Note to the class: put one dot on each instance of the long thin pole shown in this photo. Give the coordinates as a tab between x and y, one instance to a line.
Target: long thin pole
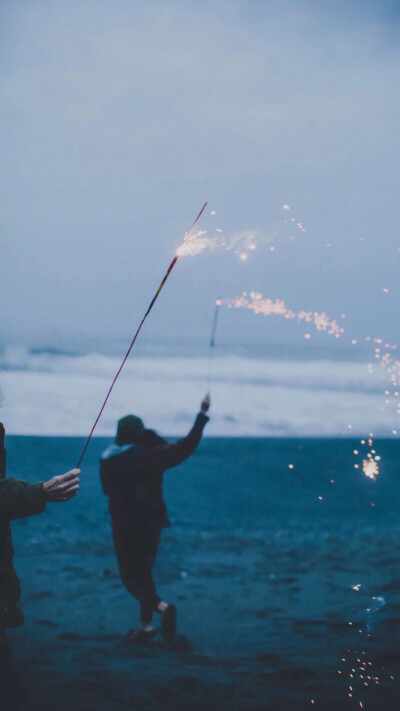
154	299
212	343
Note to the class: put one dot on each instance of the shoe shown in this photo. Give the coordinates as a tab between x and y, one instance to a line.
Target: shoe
141	636
168	623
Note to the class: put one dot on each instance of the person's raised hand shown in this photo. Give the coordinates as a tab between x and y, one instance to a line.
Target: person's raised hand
62	487
205	405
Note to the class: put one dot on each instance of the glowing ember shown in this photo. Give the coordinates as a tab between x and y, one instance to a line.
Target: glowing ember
370	468
267	307
203	241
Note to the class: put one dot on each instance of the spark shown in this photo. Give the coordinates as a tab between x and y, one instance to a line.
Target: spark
370	468
203	241
267	307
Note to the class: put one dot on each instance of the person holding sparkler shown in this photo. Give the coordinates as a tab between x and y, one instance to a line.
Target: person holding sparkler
131	473
19	499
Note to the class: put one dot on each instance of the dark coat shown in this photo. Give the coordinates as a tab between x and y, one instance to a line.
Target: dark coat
17	500
131	476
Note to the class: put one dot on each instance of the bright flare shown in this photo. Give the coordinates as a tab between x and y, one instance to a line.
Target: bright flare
370	468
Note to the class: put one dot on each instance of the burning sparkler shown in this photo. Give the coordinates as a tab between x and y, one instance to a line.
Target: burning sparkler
212	342
154	299
241	243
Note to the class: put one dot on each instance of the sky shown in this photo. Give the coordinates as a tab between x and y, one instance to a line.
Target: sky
119	119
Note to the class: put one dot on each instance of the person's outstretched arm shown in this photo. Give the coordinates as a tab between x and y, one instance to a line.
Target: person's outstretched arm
19	498
169	455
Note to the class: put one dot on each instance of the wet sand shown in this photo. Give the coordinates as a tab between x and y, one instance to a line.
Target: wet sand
261	570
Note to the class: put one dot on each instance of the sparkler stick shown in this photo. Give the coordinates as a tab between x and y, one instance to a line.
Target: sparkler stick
154	299
212	342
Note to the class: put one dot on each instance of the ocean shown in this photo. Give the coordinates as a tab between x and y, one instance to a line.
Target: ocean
275	391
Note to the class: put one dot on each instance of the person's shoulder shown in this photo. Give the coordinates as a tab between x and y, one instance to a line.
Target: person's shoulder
114	450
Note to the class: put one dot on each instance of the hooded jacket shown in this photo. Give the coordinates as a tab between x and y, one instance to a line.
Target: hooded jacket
131	476
18	499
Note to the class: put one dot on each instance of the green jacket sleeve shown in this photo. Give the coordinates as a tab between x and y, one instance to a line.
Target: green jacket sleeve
19	499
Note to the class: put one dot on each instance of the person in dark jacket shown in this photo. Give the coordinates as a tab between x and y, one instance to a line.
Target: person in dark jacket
131	475
19	499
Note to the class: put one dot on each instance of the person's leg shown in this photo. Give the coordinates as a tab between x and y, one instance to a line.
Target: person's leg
150	598
136	551
167	611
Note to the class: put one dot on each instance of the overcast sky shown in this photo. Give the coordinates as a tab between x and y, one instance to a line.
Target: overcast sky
119	119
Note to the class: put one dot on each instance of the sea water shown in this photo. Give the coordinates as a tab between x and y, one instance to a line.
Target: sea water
255	392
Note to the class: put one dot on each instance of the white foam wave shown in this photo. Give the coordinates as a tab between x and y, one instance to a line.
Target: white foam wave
58	394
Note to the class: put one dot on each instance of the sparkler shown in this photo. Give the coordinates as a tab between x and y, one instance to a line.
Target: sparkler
153	301
212	342
242	243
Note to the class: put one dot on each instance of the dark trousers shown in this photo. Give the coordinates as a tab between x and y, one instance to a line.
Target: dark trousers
136	550
11	693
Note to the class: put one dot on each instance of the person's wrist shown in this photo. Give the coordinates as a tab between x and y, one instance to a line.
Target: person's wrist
45	491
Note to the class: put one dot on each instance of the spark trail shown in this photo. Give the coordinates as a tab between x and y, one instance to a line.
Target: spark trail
268	307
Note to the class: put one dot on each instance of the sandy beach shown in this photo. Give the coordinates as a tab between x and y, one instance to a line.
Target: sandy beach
272	569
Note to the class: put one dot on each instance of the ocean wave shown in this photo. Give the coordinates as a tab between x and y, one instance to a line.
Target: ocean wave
47	392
